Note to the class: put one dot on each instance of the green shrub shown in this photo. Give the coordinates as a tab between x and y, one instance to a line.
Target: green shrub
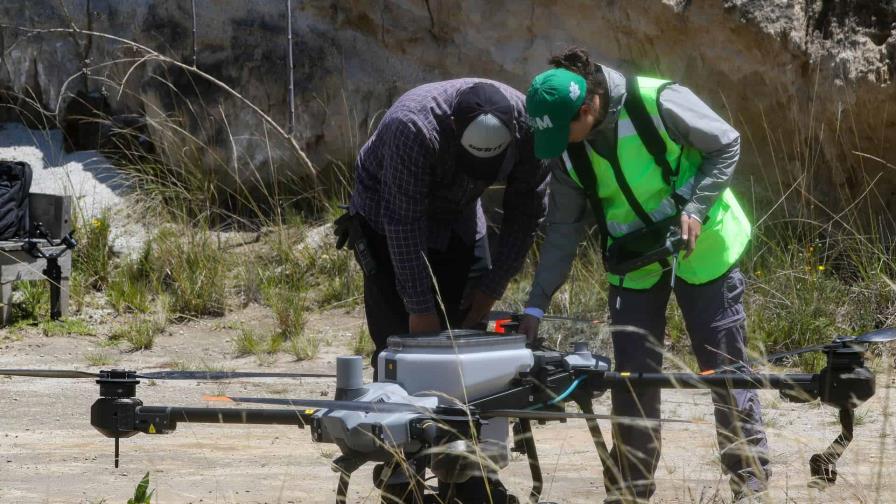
132	285
192	270
91	258
139	333
290	309
363	343
66	327
34	303
248	342
336	276
304	346
98	359
142	493
284	286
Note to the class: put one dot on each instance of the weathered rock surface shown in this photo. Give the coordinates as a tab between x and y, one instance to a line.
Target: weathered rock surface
809	83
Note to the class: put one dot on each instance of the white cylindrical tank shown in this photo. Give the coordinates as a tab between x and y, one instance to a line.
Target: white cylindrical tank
451	362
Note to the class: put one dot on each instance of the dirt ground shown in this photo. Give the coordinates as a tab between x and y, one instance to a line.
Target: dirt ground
49	453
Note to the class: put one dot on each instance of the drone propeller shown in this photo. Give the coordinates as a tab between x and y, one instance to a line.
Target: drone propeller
48	373
775	357
879	336
383	407
160	375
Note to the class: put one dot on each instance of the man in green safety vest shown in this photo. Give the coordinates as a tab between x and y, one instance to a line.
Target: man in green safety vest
640	151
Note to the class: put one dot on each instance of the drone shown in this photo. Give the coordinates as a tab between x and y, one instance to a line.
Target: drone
446	401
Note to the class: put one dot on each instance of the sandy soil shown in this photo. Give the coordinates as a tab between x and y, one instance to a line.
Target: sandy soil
50	453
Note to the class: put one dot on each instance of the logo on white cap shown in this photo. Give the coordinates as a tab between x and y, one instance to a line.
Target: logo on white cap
486	136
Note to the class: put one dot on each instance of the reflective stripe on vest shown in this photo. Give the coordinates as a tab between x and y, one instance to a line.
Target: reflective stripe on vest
726	231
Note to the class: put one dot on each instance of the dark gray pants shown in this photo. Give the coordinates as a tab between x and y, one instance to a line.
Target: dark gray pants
715	320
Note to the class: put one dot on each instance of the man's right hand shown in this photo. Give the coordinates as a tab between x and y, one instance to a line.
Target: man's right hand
529	326
424	323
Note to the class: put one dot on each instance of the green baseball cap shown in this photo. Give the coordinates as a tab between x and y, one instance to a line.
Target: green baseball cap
553	100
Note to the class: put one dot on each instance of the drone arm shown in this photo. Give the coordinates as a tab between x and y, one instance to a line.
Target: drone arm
795	387
694	381
160	419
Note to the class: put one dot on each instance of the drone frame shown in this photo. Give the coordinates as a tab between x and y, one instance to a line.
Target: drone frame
843	383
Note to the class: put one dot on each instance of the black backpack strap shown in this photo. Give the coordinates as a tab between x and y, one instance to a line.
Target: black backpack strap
581	165
646	129
626	188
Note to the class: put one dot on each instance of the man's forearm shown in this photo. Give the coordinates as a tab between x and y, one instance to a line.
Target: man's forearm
407	249
555	261
713	178
565	228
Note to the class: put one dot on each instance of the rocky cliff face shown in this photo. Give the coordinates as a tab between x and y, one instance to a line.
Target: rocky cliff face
809	83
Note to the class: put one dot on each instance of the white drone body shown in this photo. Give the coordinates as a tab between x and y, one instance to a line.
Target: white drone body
452	368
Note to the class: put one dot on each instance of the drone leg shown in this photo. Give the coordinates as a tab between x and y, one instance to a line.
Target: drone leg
532	456
342	487
116	452
823	466
345	466
596	435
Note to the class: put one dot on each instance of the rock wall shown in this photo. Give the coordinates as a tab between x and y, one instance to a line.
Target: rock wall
808	83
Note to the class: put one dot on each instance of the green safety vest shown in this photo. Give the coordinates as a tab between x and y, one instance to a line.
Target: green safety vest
726	229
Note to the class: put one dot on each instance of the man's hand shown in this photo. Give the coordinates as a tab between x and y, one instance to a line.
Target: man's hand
424	323
690	231
479	307
529	326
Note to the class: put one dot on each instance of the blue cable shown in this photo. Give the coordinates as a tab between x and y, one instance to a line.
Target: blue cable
562	396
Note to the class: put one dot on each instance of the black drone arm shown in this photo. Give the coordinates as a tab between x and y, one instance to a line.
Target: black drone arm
125	417
163	419
804	384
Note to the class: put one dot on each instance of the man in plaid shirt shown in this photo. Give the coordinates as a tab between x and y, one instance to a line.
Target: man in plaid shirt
418	181
417	188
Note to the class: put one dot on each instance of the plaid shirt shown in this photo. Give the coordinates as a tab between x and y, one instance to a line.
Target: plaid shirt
407	187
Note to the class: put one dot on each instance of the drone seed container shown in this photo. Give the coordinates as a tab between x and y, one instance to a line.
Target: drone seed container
452	362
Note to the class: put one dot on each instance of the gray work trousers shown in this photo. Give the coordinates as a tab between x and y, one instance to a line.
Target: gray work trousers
715	321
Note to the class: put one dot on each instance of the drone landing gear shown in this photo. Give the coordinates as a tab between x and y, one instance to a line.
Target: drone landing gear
823	466
411	492
525	444
597	436
345	466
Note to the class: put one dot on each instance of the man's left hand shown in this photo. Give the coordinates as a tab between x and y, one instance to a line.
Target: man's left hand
690	231
480	305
